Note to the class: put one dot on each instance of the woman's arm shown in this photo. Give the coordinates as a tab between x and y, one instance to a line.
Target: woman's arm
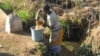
46	25
37	14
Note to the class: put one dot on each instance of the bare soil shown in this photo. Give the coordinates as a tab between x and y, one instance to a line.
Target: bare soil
20	45
16	44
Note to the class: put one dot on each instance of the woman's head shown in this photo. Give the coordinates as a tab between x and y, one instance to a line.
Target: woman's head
46	9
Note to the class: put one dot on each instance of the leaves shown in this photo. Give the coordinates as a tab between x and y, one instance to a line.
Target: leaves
6	6
42	49
85	50
25	15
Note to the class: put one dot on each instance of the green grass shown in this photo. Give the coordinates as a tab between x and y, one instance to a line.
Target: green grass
25	15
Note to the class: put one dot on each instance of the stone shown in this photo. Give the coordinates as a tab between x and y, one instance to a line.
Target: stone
13	23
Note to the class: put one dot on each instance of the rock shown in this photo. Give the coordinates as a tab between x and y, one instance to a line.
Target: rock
13	23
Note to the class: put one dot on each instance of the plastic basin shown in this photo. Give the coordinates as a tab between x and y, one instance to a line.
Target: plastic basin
37	35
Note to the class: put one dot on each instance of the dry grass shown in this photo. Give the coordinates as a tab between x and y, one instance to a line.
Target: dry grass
95	33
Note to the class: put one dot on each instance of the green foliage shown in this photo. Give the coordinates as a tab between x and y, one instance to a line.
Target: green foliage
71	27
42	49
25	15
67	26
6	6
85	50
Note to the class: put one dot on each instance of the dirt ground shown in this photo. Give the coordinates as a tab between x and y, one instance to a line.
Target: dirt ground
20	45
16	44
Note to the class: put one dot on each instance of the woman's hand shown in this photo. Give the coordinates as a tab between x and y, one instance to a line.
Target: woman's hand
46	25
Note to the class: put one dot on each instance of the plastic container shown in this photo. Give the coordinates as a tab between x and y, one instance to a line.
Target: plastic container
37	35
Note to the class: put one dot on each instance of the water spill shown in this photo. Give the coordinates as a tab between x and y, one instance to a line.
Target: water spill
39	24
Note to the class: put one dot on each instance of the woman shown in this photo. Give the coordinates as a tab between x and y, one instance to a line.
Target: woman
57	30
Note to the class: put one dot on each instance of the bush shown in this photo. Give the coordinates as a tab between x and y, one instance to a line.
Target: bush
42	49
73	28
67	26
85	50
6	6
25	15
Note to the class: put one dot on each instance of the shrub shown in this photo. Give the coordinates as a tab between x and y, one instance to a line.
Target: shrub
85	50
42	49
6	6
73	28
25	15
67	26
